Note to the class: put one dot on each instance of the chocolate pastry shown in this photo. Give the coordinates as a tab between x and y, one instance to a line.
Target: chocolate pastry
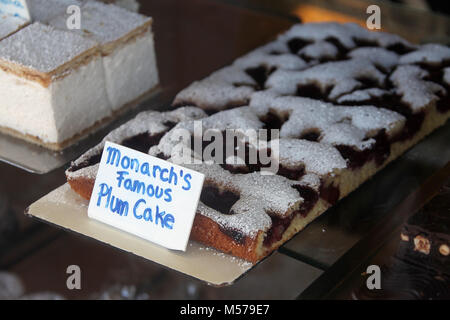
401	280
426	235
419	269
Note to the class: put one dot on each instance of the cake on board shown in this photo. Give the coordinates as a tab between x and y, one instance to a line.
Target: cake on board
345	101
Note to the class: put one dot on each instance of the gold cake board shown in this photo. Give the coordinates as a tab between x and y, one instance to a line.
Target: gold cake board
66	209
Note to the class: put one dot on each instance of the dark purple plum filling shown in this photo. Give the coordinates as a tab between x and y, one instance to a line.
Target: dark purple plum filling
279	225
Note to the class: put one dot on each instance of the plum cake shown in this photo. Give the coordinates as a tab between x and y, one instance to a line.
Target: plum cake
343	102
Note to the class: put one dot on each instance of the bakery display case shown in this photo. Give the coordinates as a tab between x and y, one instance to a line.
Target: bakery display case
362	137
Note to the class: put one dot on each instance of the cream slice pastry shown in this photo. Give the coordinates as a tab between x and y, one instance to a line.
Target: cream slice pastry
67	83
52	85
127	47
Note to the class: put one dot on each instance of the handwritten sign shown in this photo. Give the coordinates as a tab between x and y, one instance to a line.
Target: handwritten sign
17	8
146	196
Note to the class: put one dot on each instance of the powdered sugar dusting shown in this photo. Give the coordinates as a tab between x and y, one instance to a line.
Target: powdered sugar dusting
377	56
311	180
341	76
238	119
385	39
43	48
363	95
232	85
261	58
351	126
259	196
319	50
229	86
415	91
86	173
283	61
345	33
317	158
242	263
432	54
151	122
62	197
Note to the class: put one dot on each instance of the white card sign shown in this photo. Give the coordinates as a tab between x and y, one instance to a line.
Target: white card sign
17	8
146	196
